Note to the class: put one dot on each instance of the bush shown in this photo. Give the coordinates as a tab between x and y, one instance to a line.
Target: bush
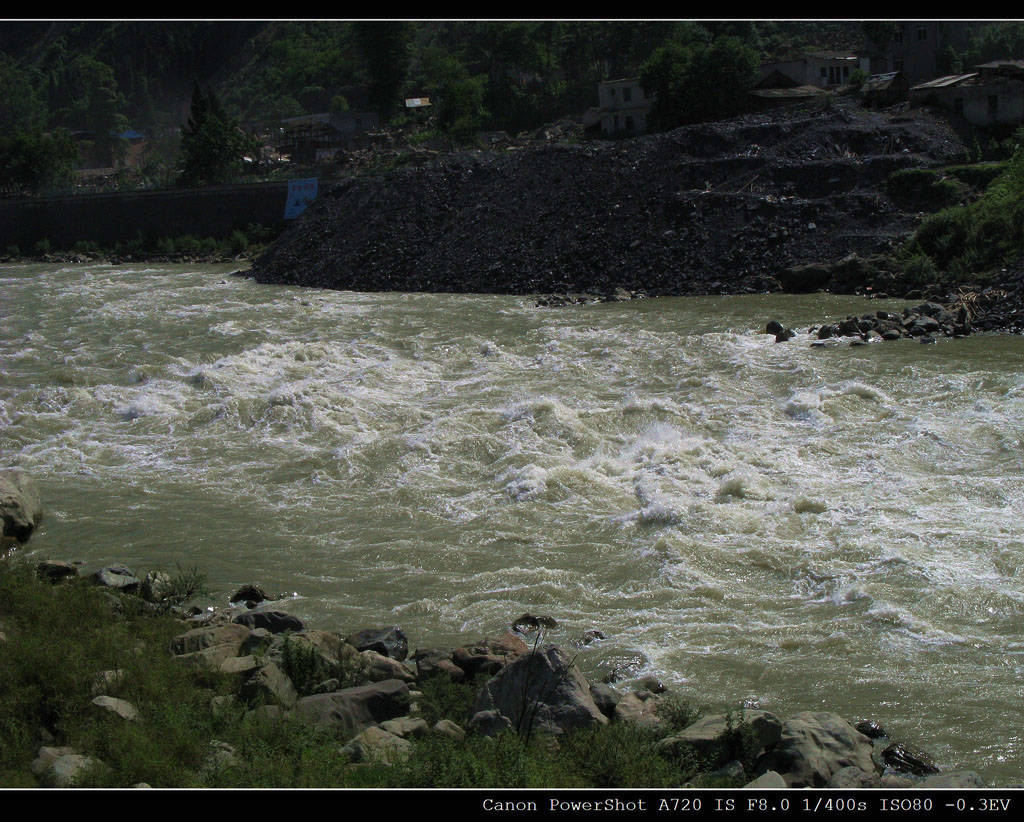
927	189
981	237
919	270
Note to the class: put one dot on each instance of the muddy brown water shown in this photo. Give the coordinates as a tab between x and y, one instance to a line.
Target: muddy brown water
758	523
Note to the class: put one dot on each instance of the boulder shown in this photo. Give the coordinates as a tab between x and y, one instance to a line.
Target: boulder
953	779
489	655
274	621
389	642
445	727
805	278
269	685
249	594
62	767
55	570
636	706
209	647
379	667
406	726
769	779
605	697
710	736
118	707
157	586
489	723
813	747
853	777
20	506
352	710
206	637
117	578
904	758
436	661
378	745
541	691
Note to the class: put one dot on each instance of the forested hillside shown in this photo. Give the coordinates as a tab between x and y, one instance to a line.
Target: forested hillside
99	81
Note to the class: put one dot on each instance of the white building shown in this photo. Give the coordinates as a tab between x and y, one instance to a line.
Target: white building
623	106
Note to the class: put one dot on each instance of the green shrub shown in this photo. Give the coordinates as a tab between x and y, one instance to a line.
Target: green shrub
977	175
445	699
920	270
303	666
676	712
975	240
925	188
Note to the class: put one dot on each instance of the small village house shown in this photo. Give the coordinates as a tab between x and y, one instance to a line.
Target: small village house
623	106
990	96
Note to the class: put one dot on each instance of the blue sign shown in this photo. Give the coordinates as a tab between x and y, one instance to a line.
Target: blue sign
300	194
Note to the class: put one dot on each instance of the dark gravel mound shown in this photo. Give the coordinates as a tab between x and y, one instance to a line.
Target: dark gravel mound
717	207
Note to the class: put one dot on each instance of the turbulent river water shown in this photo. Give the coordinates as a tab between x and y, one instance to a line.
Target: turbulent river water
771	524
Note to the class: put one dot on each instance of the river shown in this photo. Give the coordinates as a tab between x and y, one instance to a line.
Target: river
776	525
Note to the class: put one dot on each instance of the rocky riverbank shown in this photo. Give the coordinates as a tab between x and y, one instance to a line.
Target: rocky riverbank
365	688
959	316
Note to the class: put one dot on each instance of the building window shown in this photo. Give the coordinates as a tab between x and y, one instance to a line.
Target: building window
616	122
627	95
846	72
629	123
922	33
824	74
897	64
993	105
897	36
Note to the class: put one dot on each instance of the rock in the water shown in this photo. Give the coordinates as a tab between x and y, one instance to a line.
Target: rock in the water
118	578
903	758
55	570
390	642
20	506
249	593
274	621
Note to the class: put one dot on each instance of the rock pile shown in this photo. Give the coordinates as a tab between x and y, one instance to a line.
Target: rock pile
966	312
710	208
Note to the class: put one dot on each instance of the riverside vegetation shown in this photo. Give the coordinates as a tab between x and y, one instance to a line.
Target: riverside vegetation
107	681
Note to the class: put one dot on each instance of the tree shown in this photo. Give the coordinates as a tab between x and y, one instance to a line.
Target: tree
87	97
385	49
698	82
36	161
22	110
213	144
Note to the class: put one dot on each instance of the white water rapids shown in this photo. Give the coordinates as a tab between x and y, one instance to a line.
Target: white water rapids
771	524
